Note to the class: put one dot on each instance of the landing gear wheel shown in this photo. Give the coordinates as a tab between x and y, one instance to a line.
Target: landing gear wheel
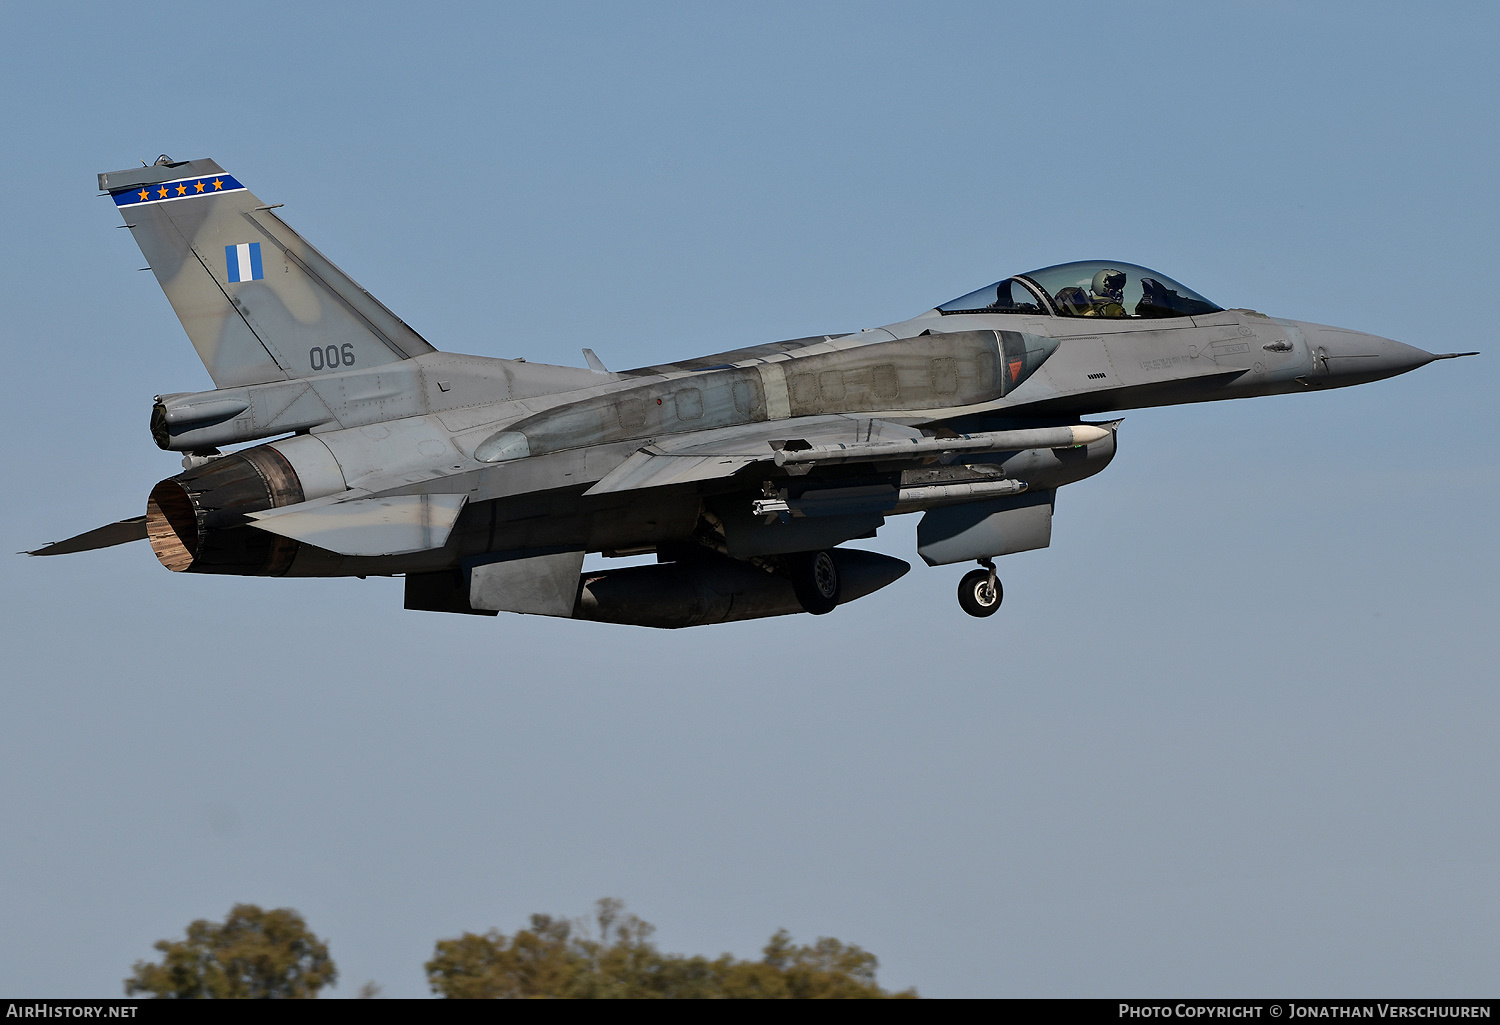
978	596
815	579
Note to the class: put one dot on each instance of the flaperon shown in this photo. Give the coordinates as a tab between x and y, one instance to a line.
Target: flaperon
486	481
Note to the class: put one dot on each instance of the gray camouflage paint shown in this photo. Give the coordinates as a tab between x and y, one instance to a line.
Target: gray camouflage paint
465	470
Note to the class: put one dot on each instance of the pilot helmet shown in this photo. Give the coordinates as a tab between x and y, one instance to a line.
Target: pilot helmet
1110	283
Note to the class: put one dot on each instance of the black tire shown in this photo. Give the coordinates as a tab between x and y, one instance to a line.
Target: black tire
815	579
974	594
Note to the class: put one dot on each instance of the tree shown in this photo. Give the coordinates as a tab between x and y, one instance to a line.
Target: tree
559	958
253	954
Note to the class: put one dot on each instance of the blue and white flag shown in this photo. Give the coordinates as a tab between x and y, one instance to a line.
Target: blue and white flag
243	262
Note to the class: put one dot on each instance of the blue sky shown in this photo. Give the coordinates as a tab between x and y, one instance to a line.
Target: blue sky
1232	734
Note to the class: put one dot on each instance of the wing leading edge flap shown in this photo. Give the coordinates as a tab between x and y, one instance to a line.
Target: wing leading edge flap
707	455
397	525
653	468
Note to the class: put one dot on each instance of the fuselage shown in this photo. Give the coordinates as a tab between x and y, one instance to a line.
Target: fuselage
939	369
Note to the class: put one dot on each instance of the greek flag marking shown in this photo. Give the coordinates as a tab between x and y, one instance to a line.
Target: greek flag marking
243	262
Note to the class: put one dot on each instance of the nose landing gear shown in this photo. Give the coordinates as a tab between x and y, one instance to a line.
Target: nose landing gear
979	592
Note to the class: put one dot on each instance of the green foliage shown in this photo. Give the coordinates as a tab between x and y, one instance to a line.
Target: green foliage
558	958
253	954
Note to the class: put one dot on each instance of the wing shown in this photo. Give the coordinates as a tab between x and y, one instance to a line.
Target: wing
802	444
365	522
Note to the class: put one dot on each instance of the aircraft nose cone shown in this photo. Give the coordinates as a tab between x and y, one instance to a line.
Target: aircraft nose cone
1353	357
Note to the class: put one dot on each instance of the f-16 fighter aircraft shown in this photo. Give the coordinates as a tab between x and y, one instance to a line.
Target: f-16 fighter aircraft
485	482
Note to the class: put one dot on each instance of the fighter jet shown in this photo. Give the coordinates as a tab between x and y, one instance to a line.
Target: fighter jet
485	482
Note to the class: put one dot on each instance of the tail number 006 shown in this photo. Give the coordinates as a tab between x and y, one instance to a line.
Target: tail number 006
331	356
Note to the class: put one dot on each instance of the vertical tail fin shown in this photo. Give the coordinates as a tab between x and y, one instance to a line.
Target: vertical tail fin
257	301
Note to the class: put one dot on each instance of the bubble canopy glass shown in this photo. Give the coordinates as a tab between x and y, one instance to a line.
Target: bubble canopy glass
1092	288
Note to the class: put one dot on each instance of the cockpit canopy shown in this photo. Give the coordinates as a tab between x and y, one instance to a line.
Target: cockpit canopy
1092	288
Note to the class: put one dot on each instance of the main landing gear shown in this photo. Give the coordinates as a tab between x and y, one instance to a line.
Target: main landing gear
815	579
979	592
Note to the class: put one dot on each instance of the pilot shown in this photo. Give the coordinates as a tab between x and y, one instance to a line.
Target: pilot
1109	294
1004	299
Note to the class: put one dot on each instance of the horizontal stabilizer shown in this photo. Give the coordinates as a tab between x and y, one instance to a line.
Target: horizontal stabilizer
368	526
133	529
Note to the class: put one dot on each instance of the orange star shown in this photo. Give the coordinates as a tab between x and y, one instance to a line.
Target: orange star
162	192
182	190
144	194
218	184
198	186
